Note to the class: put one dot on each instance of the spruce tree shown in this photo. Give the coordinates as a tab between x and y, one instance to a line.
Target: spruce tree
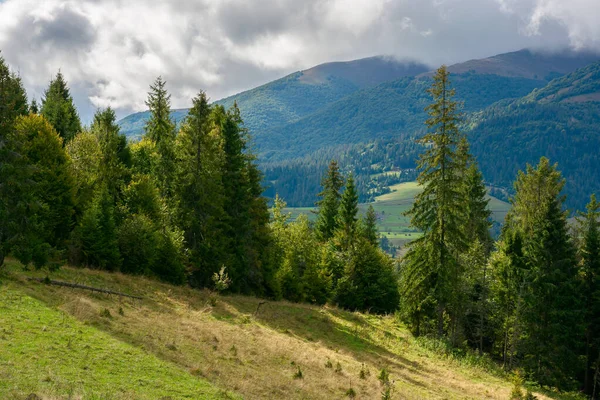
329	202
15	193
589	265
50	175
160	130
347	220
368	226
59	110
431	269
199	191
112	171
547	319
33	107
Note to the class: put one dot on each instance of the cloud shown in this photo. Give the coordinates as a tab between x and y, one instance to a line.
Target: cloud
111	50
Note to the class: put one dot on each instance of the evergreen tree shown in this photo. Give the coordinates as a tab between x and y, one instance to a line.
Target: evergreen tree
199	191
50	174
33	107
95	237
246	211
368	226
112	171
329	202
478	213
160	129
59	110
346	231
546	320
431	269
369	282
589	256
15	195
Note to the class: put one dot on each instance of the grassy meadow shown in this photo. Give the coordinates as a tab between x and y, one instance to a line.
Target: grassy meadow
390	209
180	343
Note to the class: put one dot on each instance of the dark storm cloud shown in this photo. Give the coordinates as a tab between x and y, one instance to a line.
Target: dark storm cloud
111	50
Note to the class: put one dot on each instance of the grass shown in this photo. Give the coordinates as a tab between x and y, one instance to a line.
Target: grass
55	341
390	208
50	353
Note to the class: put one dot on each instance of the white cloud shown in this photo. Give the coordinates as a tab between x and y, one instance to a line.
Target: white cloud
111	50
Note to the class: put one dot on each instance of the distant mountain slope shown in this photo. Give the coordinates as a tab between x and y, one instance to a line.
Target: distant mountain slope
301	93
560	121
528	64
389	110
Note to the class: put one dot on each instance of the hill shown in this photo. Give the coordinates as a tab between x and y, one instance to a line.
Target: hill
288	99
207	346
528	64
560	121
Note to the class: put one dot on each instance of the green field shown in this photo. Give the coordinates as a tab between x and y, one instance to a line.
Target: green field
390	209
178	343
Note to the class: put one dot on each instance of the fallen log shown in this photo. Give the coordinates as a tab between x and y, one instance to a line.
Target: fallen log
78	286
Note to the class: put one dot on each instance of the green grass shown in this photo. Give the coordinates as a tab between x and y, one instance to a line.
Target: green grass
47	352
176	343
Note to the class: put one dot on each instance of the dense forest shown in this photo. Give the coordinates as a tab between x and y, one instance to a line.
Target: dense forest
185	204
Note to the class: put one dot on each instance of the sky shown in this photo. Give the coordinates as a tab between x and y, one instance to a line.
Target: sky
110	51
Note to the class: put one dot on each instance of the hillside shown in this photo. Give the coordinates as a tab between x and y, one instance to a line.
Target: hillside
178	343
560	121
390	110
287	99
528	64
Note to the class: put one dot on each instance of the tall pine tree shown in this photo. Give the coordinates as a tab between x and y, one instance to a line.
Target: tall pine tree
431	268
589	264
59	110
160	130
14	192
329	202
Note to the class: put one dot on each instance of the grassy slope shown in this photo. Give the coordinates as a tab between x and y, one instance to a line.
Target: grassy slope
45	351
176	332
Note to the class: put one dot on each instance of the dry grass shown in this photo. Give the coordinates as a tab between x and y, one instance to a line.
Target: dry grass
257	354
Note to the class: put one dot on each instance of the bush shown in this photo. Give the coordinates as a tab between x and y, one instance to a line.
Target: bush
369	282
138	243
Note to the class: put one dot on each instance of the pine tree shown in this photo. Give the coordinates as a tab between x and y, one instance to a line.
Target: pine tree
329	202
112	171
589	256
369	282
347	220
50	174
160	129
541	277
96	235
14	191
199	191
431	269
59	110
478	213
368	226
33	107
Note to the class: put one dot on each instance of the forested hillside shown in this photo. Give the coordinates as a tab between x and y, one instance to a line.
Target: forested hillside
561	121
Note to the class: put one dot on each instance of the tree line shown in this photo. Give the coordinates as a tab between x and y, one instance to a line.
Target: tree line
183	204
532	298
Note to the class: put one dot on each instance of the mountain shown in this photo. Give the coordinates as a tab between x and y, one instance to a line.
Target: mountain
529	64
392	109
560	121
299	94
